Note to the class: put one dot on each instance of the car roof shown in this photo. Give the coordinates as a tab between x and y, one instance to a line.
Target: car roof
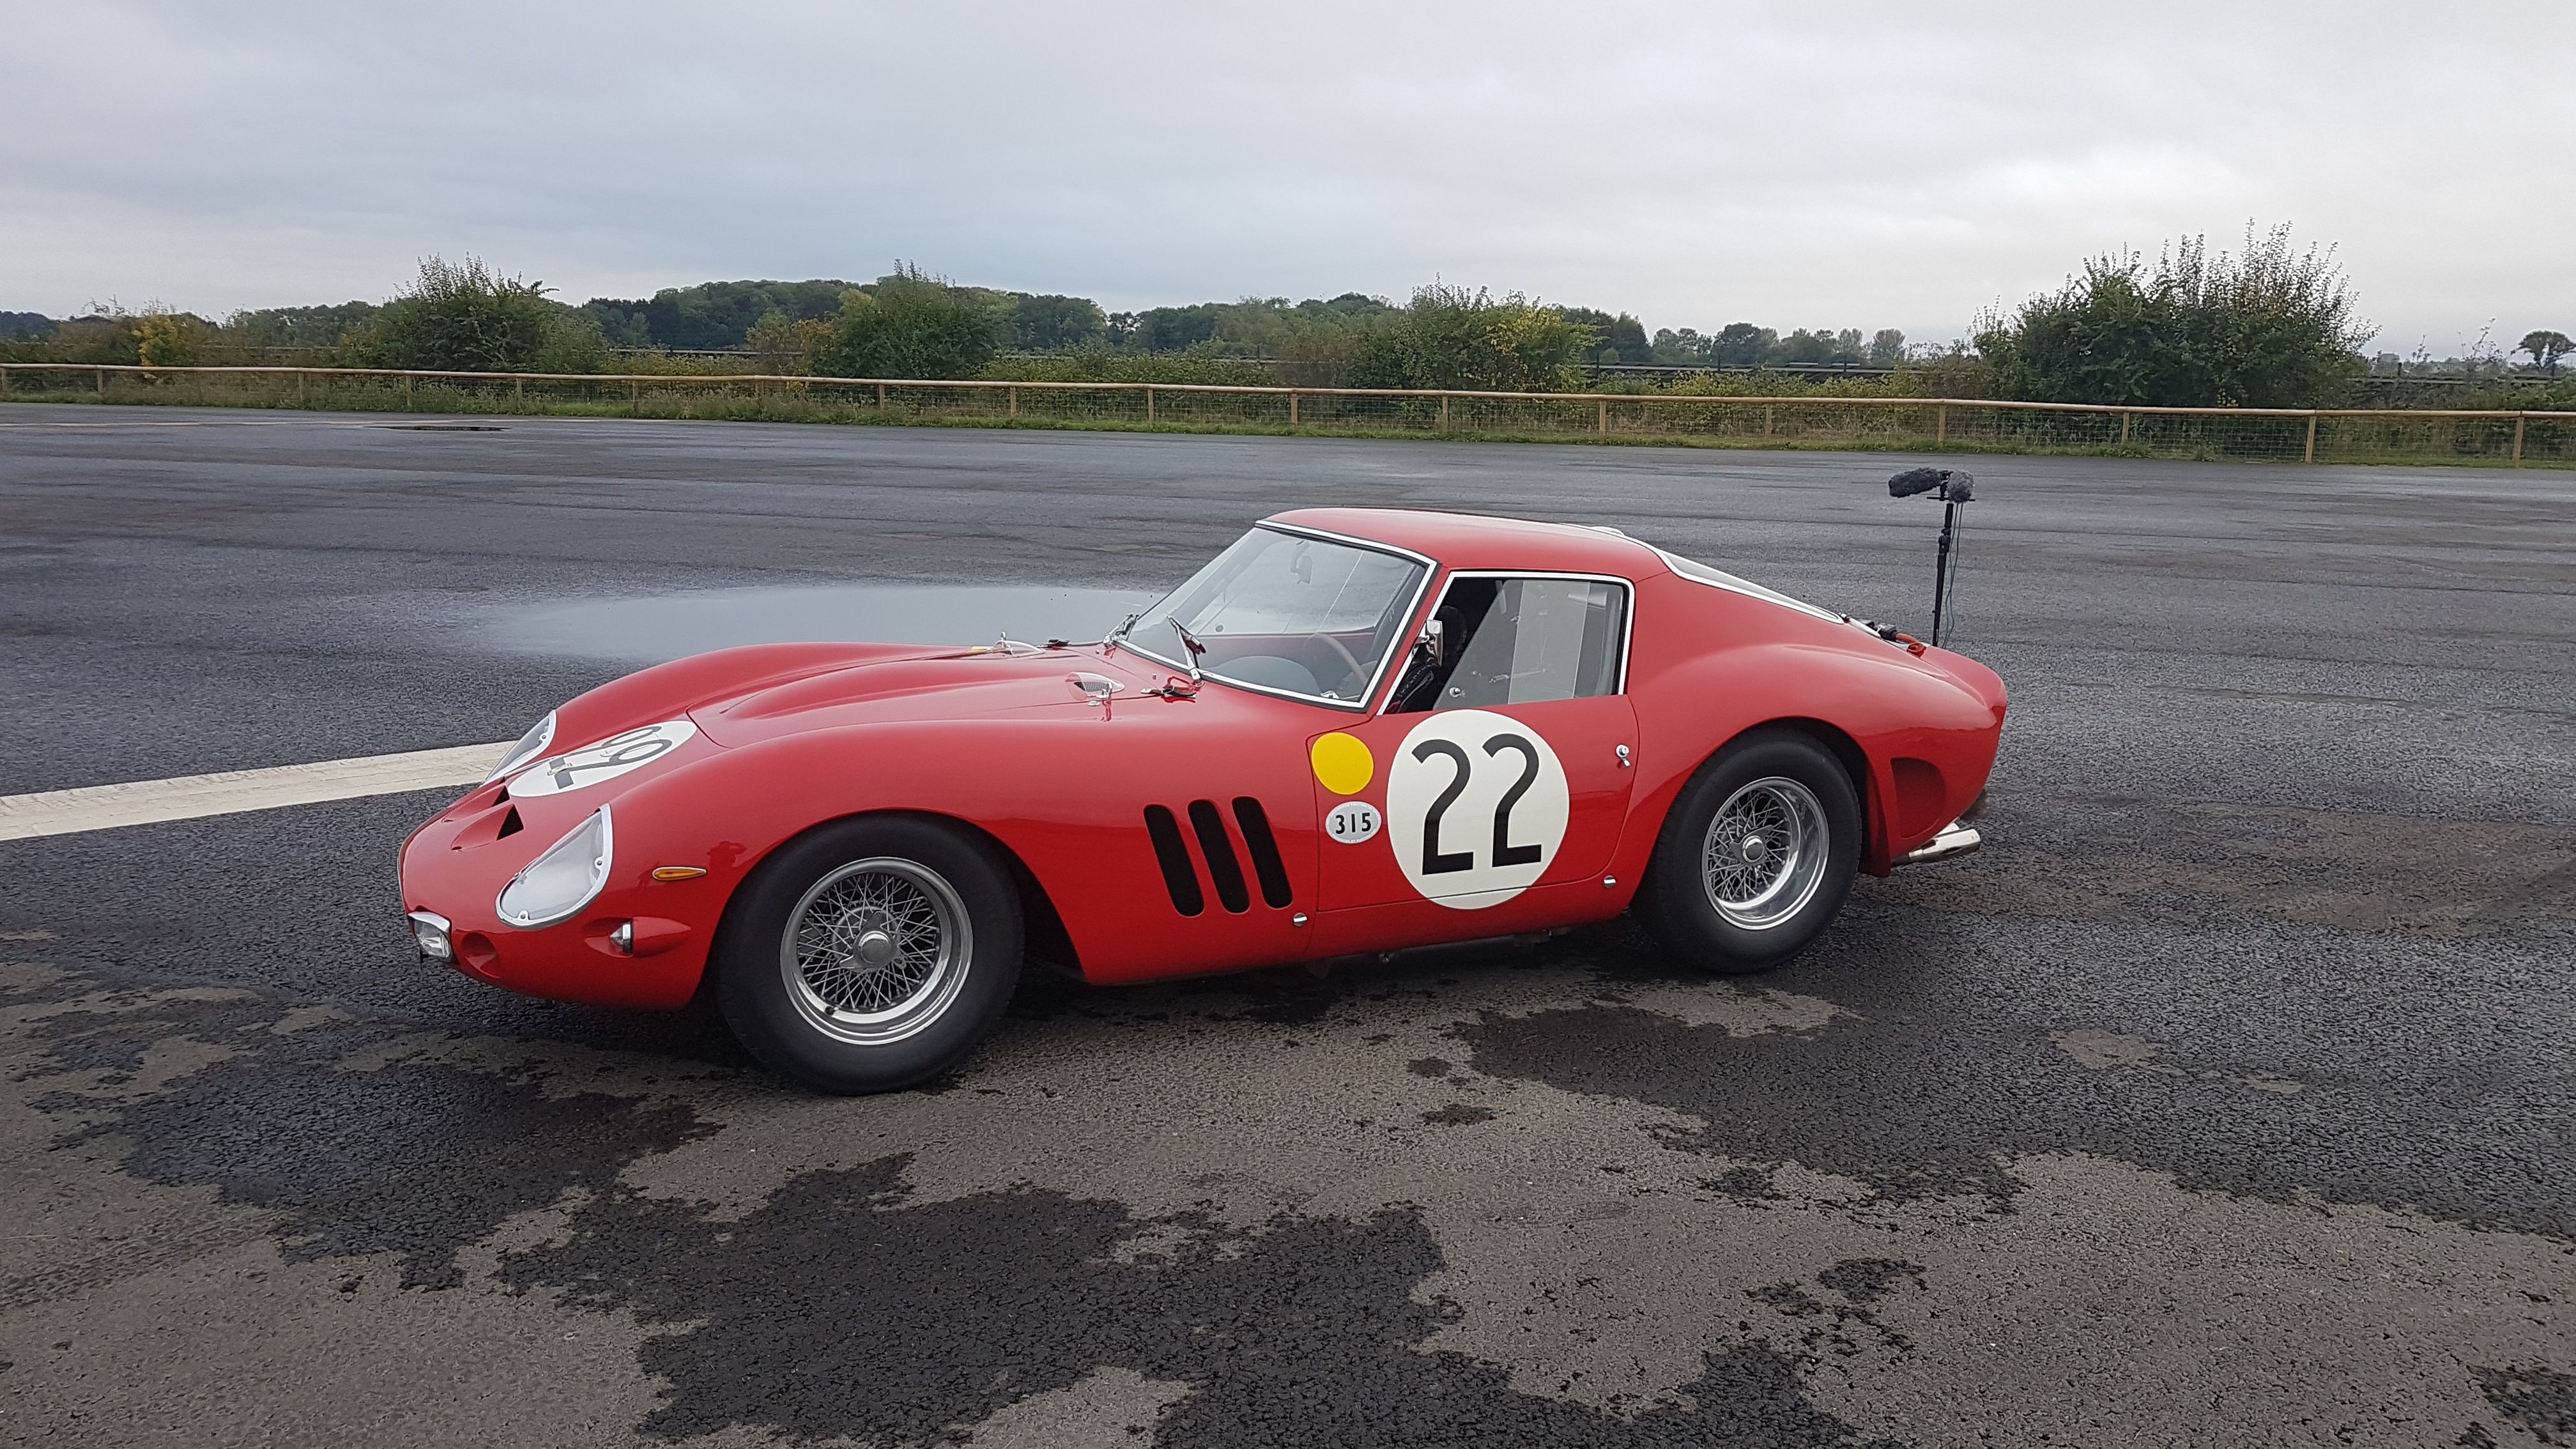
1480	541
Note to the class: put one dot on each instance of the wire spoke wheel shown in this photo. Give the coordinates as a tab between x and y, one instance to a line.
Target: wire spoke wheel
1765	853
876	950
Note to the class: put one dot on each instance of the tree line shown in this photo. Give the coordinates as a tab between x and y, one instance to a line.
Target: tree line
2268	325
468	316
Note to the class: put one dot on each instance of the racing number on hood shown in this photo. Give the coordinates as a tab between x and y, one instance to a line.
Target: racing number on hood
606	760
1476	806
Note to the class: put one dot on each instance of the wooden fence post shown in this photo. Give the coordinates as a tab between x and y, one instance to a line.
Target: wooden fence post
1015	402
1444	412
4	380
2311	455
406	392
301	377
1292	407
1605	420
1149	407
2518	420
2125	416
1766	420
1940	427
634	396
519	386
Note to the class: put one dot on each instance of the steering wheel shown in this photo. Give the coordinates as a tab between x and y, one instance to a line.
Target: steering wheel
1359	676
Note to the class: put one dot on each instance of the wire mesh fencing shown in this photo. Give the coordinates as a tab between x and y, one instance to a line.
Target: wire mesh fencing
2327	435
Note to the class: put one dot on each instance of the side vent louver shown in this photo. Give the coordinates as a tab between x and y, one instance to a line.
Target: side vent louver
1223	868
1216	848
1174	857
1273	874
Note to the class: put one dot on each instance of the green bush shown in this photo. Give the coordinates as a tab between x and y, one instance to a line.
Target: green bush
170	339
461	317
910	325
2271	328
1453	338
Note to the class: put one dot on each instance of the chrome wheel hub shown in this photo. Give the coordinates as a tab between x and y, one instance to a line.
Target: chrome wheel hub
876	950
1765	854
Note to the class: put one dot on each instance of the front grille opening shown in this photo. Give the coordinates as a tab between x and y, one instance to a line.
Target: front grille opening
1174	857
1266	864
1223	869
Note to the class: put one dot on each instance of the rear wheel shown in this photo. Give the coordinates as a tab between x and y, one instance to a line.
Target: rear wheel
1757	855
871	954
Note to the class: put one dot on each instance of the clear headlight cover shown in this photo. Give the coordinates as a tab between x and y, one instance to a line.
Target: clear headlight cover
564	879
530	746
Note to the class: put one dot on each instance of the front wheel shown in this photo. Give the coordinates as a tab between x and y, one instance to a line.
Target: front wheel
870	954
1757	855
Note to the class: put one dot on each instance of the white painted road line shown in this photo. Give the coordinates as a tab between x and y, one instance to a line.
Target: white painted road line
144	802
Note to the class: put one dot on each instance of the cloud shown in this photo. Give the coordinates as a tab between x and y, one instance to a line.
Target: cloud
1862	164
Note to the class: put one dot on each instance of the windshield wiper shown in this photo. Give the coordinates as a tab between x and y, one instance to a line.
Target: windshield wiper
1118	635
1189	643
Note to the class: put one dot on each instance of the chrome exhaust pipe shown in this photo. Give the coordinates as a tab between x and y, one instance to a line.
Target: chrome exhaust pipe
1956	839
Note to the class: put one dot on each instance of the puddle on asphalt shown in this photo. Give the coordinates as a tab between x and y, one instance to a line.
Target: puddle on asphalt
653	627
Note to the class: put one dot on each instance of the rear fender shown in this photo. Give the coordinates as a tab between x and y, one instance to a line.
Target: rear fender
1870	712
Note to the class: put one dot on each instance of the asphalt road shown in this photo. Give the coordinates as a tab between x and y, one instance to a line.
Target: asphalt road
2225	1098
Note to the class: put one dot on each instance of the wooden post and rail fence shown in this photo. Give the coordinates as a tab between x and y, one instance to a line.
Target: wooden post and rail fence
1966	424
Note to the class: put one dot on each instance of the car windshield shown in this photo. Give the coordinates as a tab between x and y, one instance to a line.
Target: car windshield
1289	614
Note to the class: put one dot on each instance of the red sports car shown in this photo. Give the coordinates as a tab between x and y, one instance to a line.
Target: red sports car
1353	731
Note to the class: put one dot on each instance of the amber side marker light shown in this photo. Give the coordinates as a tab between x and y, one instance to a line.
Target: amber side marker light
678	872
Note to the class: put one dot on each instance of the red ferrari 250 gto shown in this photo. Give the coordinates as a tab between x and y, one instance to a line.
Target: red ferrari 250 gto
1353	731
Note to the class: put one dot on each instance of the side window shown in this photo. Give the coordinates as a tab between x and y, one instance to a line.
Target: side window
1518	641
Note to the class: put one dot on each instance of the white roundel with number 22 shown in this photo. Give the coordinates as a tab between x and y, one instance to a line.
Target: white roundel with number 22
1476	805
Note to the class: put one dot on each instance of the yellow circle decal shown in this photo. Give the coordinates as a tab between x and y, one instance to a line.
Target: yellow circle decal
1342	763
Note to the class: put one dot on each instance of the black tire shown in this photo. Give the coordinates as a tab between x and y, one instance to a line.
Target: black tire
863	1023
1769	775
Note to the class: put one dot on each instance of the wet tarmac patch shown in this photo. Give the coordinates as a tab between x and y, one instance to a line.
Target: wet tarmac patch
364	1142
1305	1330
2539	1401
1928	1082
283	1112
649	628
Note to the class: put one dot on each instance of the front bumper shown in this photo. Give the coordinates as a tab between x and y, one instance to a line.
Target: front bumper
639	942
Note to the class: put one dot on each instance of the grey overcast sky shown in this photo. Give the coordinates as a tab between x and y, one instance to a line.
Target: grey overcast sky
1841	164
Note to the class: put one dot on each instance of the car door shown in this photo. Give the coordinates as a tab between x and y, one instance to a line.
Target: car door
1494	774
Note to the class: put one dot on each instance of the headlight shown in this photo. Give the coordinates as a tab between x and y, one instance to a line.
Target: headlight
530	745
564	879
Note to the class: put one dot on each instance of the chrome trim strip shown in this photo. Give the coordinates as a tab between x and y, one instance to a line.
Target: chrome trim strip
1955	840
1412	612
1744	588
